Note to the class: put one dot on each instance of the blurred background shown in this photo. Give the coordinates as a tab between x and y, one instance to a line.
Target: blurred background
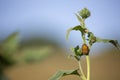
41	47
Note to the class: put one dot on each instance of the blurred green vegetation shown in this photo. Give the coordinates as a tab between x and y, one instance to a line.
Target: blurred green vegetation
31	50
17	55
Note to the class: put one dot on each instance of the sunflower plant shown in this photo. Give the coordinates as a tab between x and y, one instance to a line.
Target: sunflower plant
84	50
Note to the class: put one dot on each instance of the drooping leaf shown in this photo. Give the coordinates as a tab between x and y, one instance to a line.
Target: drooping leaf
62	73
10	44
92	39
77	28
114	42
102	40
68	32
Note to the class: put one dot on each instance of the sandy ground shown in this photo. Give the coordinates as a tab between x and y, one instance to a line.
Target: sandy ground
103	67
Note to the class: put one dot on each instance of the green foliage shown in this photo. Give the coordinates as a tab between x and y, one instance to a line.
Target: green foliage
7	49
62	73
68	32
77	28
30	55
9	52
93	39
114	42
78	52
9	45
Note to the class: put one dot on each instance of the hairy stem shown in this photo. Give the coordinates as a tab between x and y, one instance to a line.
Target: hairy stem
81	70
88	67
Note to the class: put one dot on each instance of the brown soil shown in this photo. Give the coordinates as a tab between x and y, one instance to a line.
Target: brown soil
103	67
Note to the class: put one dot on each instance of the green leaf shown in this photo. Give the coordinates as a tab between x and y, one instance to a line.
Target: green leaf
10	44
7	48
33	54
62	73
91	38
77	28
114	42
68	32
77	51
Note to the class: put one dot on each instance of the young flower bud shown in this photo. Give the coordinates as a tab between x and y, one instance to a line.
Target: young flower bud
85	49
84	13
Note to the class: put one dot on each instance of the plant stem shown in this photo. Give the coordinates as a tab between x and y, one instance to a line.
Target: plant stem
83	38
81	70
88	67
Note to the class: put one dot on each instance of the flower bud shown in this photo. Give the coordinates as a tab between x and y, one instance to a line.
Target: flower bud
84	13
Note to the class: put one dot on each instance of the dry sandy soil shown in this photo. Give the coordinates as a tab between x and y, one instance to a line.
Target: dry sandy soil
105	66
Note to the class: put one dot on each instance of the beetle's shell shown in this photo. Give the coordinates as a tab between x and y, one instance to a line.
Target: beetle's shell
85	49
